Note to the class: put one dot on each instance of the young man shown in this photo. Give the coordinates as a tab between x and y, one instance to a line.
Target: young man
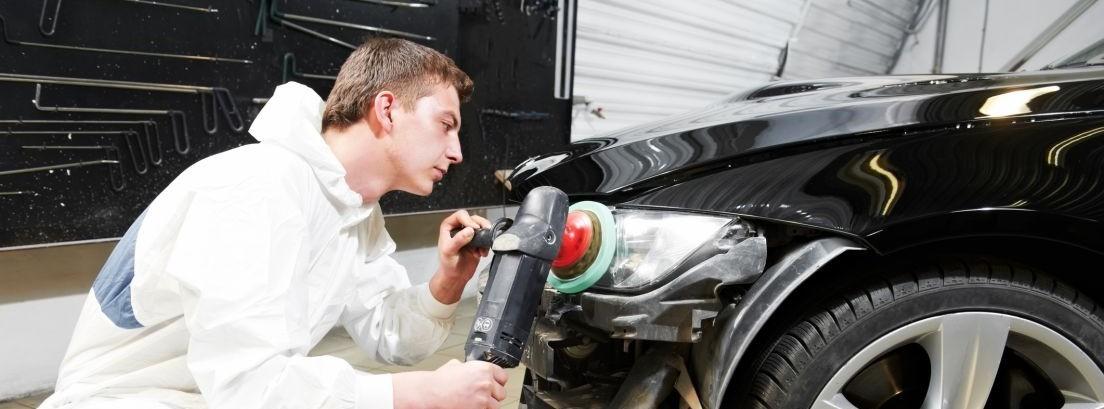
216	294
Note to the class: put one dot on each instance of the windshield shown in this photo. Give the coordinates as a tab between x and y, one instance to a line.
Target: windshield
1093	55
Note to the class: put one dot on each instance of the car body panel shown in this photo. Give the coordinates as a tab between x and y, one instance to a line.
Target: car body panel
905	190
880	163
891	161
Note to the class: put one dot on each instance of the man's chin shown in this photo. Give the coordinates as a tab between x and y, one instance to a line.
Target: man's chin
422	191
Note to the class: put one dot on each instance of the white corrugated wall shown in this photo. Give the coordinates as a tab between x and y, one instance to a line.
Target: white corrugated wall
985	36
645	59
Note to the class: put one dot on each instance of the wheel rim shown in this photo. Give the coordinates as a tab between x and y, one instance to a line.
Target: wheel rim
964	354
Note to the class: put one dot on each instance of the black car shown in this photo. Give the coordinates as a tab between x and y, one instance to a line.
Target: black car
928	241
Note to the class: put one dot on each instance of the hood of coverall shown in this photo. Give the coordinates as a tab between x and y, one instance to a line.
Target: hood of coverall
292	119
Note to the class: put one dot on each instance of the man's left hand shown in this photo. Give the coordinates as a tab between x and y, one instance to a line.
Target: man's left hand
457	264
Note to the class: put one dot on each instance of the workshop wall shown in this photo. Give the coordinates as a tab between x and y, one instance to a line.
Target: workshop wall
507	49
641	60
985	36
36	333
506	46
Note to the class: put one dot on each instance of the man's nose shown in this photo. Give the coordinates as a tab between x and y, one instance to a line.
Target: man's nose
453	152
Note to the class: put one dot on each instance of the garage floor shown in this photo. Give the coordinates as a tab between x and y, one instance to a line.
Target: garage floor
338	344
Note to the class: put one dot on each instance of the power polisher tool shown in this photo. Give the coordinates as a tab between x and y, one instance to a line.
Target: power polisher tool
523	254
543	236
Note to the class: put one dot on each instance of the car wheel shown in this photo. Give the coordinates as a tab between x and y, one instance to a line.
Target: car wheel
973	334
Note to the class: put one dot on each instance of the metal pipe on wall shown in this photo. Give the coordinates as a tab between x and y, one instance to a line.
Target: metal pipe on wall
95	82
138	157
114	173
412	4
12	41
290	69
207	9
984	30
919	17
1048	35
941	36
784	54
216	98
150	129
178	122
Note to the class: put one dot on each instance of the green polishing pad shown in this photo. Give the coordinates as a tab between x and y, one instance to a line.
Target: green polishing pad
602	261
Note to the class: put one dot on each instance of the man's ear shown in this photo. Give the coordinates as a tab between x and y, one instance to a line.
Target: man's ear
383	106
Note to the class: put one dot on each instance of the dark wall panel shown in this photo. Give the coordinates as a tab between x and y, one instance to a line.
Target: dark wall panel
506	50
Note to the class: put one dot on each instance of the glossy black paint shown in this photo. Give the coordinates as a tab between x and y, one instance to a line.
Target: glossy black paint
890	161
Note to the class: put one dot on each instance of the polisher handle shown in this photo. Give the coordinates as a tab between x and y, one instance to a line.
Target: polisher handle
484	238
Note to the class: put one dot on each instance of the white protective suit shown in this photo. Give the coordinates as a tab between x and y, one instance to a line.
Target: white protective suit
236	271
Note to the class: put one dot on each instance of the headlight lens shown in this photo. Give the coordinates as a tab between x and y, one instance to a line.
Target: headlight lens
650	243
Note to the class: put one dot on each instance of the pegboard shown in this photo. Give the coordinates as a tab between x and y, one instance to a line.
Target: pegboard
507	47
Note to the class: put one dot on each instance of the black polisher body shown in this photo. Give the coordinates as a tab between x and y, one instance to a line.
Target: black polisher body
522	258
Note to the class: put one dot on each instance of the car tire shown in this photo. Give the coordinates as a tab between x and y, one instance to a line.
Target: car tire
801	366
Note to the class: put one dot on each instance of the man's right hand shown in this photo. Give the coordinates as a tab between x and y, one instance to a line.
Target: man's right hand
461	385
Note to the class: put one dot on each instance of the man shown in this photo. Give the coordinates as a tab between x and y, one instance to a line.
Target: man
216	294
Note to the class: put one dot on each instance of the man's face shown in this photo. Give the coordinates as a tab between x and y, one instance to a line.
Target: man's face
425	141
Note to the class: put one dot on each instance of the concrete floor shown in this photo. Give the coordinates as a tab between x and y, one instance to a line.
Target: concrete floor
338	344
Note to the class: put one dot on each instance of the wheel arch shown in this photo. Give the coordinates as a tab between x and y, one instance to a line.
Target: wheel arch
1059	258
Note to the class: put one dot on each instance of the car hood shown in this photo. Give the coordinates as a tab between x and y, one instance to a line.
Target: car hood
756	124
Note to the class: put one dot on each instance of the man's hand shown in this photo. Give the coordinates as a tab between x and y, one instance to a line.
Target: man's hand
467	385
457	264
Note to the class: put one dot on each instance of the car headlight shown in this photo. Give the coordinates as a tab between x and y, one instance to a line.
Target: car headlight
651	243
626	248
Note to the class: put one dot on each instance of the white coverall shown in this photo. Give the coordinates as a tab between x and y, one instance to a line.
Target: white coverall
235	271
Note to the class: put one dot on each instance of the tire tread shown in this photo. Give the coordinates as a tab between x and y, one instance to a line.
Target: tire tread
801	344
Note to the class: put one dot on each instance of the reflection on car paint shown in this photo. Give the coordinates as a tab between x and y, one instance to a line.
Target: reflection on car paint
878	158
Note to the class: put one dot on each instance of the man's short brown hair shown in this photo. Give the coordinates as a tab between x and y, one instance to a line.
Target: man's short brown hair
409	70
